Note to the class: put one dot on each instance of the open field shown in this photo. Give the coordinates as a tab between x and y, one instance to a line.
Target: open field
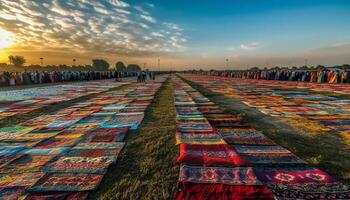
152	127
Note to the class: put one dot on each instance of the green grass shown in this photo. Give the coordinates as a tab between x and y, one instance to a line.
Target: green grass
22	117
323	150
146	168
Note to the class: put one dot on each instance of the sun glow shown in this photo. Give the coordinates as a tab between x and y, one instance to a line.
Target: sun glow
7	39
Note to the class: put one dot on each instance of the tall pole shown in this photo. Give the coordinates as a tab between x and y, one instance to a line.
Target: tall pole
74	61
226	63
159	65
41	61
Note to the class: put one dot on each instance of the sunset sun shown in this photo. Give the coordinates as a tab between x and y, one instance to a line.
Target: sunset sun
7	39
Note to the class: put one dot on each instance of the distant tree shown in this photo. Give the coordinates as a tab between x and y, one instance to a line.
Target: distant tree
254	69
320	67
345	66
133	68
17	61
100	64
3	65
294	68
120	67
303	67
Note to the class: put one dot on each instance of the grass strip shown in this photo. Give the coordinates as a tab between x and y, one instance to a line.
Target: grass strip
146	169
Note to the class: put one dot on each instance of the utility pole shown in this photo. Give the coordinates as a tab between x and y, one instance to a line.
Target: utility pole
226	63
42	62
306	62
159	65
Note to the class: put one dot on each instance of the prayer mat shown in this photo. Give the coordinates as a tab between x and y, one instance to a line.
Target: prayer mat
91	165
198	126
19	142
218	175
246	149
44	151
59	124
83	127
188	116
93	153
290	175
13	132
10	151
67	182
235	136
36	136
19	180
56	143
45	130
100	145
301	183
11	192
209	155
56	196
267	159
4	160
94	119
130	125
198	138
26	163
69	135
198	191
106	135
224	122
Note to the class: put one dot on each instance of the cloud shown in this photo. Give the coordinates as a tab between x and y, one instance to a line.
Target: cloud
157	34
231	49
148	18
250	46
88	26
150	5
172	26
141	10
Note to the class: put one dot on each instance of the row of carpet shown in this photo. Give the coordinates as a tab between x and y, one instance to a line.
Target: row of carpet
222	158
65	155
27	100
328	112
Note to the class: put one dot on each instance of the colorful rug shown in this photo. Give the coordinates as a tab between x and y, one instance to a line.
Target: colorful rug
209	155
219	175
67	182
91	165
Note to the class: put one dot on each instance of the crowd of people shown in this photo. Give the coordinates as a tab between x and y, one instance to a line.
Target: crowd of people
38	77
145	75
316	76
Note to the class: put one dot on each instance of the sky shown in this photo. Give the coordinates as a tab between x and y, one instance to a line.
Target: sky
182	34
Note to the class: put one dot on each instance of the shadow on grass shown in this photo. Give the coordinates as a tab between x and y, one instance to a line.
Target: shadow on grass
145	168
322	150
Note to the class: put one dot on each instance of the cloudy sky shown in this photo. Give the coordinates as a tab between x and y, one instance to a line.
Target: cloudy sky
182	33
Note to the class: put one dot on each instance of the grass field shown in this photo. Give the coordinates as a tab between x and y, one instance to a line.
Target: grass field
146	169
323	150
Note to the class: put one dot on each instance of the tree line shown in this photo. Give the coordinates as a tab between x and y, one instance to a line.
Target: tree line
97	65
